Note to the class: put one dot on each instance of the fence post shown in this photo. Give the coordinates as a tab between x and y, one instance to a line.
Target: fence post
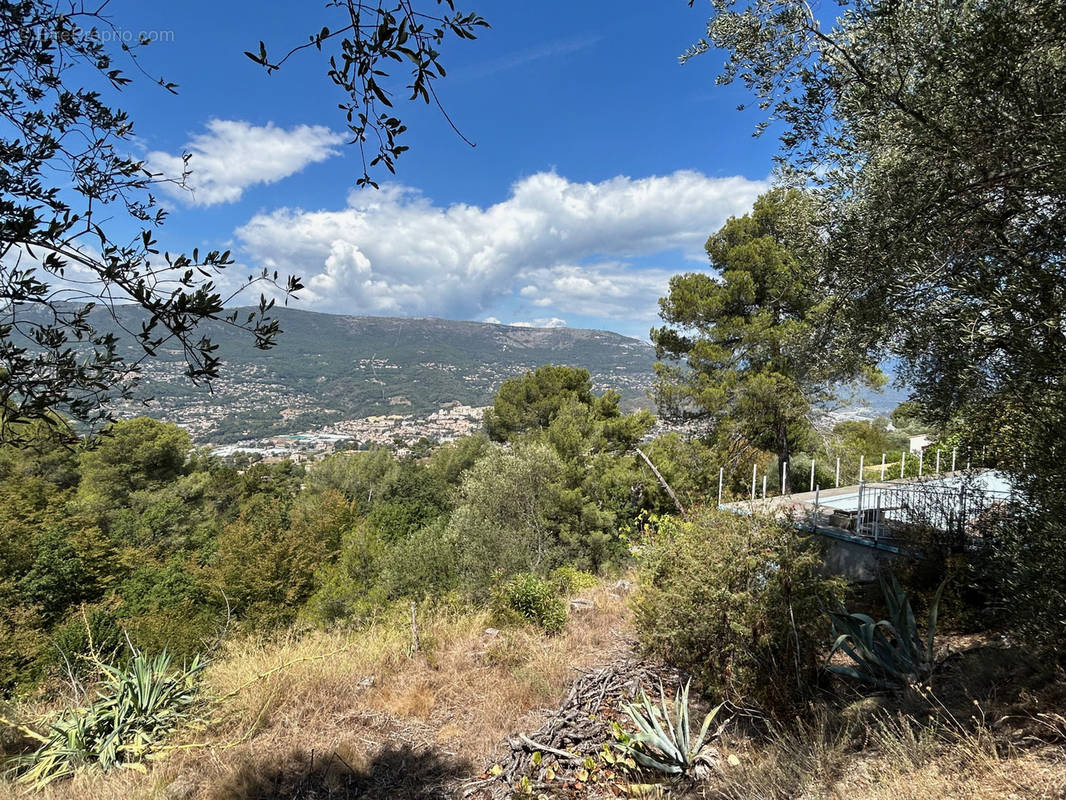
883	467
721	475
812	474
858	511
817	492
754	474
954	452
838	472
763	487
937	462
862	462
877	517
784	479
903	463
921	460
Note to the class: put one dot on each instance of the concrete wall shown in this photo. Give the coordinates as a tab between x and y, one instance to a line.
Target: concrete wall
857	561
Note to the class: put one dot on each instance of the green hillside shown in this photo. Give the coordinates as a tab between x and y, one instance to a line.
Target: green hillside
328	367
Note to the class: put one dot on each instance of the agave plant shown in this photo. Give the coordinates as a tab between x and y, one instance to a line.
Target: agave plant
889	653
134	708
664	742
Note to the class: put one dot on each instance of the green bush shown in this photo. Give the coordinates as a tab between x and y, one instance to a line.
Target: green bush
425	564
75	641
533	599
569	580
738	602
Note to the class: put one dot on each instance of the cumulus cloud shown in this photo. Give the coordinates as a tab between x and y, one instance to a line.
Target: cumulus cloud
613	290
393	251
233	155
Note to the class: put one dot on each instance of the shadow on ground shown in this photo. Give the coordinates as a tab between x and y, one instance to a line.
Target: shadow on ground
394	773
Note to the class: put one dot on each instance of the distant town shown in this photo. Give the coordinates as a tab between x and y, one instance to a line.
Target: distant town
400	432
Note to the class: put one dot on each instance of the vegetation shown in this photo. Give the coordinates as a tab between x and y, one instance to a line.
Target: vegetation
68	180
891	653
135	532
929	132
355	594
134	709
665	742
534	600
738	602
753	338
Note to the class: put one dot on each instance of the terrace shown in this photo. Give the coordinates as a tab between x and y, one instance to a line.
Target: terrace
892	515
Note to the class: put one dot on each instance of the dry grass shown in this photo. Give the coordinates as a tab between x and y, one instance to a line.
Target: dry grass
322	715
892	757
337	707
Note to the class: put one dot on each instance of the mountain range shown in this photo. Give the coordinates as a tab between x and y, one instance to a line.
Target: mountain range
327	367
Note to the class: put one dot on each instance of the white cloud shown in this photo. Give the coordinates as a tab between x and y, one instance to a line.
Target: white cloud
599	290
542	322
393	251
234	155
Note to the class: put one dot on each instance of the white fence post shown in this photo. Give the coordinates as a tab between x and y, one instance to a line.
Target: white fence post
937	462
883	466
954	452
921	460
903	463
838	472
721	475
862	462
764	487
812	474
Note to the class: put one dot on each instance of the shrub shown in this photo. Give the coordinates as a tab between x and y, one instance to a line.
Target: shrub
94	631
738	602
424	564
534	600
569	580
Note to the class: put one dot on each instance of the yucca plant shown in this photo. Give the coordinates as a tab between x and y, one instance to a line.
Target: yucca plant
889	653
135	707
664	742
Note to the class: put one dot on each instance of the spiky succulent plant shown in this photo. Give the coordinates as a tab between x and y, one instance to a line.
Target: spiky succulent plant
664	741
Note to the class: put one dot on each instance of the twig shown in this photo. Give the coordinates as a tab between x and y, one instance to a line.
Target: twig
280	667
662	481
543	747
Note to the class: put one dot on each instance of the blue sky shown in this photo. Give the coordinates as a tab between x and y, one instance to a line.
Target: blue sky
600	168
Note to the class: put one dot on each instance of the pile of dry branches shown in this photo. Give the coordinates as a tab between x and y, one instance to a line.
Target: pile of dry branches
562	753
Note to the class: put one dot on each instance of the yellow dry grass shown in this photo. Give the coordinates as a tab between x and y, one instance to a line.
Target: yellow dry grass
358	695
334	705
889	759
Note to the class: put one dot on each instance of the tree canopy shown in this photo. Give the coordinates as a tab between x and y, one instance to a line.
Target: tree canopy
753	337
934	134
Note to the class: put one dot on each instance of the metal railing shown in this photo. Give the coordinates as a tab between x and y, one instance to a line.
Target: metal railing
952	514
